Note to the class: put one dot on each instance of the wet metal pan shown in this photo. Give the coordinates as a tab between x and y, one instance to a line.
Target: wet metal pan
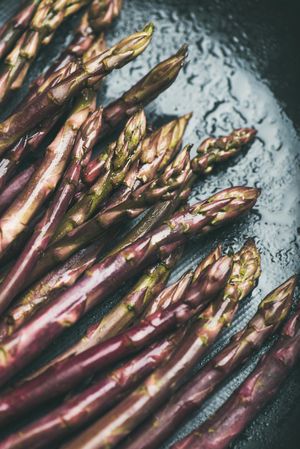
243	70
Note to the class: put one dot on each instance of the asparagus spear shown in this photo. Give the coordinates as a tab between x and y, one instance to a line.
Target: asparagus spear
131	307
95	400
48	224
142	93
117	160
119	422
103	12
215	150
271	313
13	28
126	311
66	374
52	99
15	187
48	16
47	175
123	205
105	277
48	288
250	398
211	151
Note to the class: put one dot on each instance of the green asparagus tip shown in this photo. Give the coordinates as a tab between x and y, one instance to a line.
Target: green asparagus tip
149	28
183	51
188	116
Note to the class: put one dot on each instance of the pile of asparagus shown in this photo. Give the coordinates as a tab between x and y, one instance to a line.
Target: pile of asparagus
63	252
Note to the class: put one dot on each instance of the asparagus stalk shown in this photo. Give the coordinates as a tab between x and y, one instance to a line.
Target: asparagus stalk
52	99
48	288
66	374
130	203
108	431
47	175
13	28
271	313
105	277
142	93
78	411
117	160
216	150
15	187
103	12
250	398
48	16
48	224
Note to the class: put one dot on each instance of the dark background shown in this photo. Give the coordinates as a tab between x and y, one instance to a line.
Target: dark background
243	70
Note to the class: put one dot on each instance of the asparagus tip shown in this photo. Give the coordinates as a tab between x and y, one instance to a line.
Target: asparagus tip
245	135
277	304
149	28
183	51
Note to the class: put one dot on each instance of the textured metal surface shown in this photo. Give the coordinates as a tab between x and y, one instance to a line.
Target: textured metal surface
242	71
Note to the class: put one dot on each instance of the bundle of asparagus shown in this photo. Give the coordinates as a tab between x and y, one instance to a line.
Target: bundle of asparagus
35	26
64	209
261	386
271	313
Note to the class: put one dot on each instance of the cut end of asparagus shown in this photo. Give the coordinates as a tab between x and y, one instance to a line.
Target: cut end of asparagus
277	304
216	150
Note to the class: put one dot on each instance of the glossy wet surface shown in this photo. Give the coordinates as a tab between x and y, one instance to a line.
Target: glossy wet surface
242	71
